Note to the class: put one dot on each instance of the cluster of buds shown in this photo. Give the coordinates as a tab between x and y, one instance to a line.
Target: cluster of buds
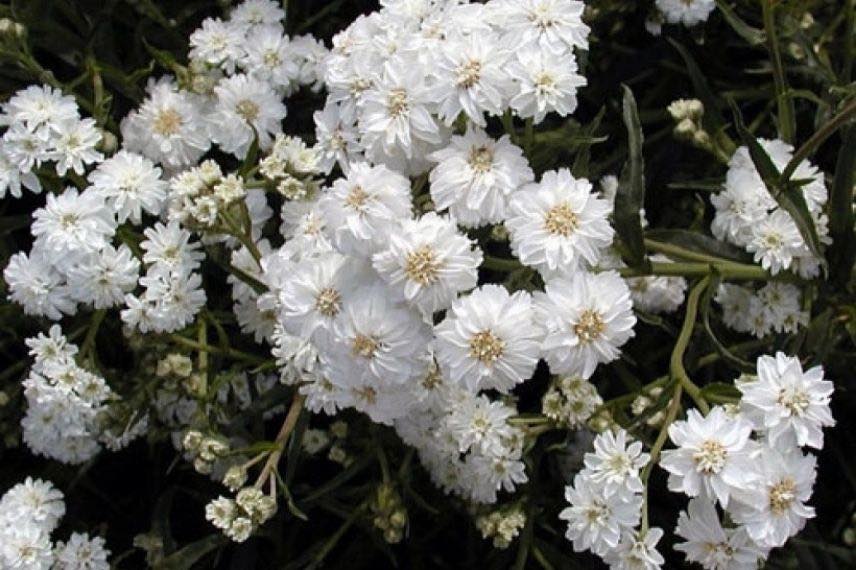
687	114
848	535
502	525
205	450
388	513
643	403
292	165
174	364
239	517
570	401
314	440
11	33
201	193
338	453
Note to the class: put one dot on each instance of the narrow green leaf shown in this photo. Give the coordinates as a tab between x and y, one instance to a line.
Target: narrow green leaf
753	36
700	243
786	193
712	119
786	113
580	168
185	558
841	220
631	186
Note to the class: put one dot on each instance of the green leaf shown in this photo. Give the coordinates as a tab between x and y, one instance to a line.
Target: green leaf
753	36
700	243
631	186
580	168
712	119
841	220
786	193
185	558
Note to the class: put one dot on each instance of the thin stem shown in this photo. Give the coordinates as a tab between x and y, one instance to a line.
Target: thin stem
202	357
230	352
284	431
92	332
682	253
500	264
676	363
787	125
728	271
671	414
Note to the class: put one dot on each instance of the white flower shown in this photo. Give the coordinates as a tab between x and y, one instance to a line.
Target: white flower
105	277
168	127
37	106
73	223
374	342
35	502
257	13
686	12
710	544
269	57
428	261
37	286
82	553
595	520
775	241
316	291
558	224
546	83
74	145
587	318
791	405
218	43
169	246
471	77
636	552
25	547
475	176
336	136
489	339
130	185
12	178
775	509
396	111
479	423
713	456
616	462
246	107
553	24
365	206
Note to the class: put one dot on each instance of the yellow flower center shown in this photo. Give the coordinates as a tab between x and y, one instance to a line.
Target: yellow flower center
486	347
327	302
422	265
561	220
589	326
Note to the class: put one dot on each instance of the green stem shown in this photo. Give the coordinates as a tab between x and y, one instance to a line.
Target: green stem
508	125
500	264
671	414
202	357
728	271
92	332
528	136
787	123
682	253
676	362
230	352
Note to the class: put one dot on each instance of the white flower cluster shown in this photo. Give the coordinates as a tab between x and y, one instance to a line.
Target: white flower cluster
66	404
763	483
749	217
238	517
42	126
775	307
686	12
400	77
241	68
29	513
605	505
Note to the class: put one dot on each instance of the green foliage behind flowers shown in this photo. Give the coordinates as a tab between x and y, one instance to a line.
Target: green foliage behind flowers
512	284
